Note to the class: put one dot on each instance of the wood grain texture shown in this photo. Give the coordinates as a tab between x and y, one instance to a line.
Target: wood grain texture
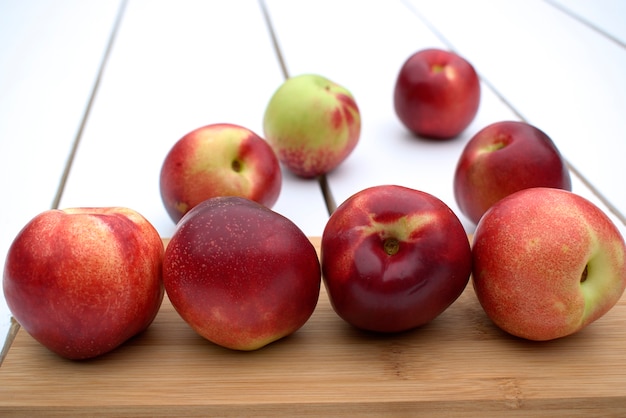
458	365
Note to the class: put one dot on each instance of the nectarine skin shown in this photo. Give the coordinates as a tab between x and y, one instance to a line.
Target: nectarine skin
437	94
241	275
547	263
312	123
393	258
83	281
503	158
221	159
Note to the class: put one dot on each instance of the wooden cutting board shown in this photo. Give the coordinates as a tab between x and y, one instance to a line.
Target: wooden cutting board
458	365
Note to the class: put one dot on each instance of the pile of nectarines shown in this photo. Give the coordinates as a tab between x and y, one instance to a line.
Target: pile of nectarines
544	261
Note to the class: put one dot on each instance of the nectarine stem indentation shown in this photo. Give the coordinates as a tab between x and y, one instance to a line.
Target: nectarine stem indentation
391	246
583	276
236	166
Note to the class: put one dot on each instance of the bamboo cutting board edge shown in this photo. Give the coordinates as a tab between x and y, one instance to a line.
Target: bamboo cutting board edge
459	363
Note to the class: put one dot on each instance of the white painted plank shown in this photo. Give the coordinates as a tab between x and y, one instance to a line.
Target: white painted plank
562	76
177	66
607	16
49	54
366	59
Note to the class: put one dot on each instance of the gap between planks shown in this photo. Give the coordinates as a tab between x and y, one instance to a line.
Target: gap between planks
322	180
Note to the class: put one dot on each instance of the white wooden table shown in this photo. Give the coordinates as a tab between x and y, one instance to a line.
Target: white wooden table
93	94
